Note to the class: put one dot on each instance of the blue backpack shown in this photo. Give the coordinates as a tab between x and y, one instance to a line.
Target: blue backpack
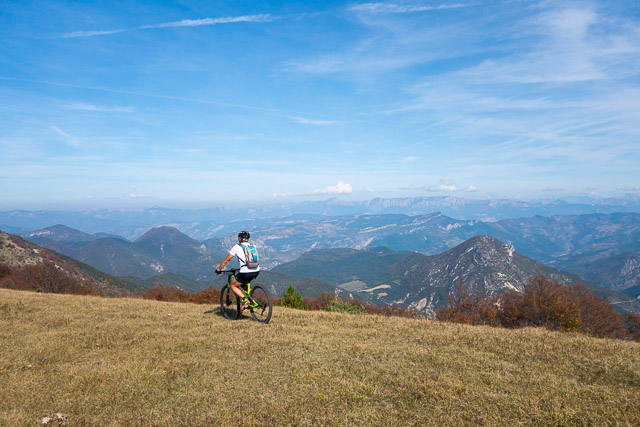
251	255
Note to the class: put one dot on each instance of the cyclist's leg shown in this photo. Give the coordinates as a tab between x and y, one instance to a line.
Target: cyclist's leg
243	279
235	287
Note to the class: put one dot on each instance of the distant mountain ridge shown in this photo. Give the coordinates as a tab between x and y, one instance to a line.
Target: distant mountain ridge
203	224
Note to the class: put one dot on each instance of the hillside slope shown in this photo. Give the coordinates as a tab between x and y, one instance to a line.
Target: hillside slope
160	250
149	363
18	256
421	282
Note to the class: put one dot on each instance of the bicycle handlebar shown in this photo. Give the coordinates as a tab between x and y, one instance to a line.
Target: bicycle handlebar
231	270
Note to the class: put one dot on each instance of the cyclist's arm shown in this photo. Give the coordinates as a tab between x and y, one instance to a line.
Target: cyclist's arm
224	262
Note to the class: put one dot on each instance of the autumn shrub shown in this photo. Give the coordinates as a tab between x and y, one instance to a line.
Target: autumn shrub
545	303
321	302
465	307
597	317
167	294
556	306
209	295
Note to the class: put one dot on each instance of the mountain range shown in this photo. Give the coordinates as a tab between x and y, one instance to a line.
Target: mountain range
603	247
202	224
372	273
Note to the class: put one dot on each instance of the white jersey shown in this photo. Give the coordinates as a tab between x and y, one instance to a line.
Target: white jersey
238	252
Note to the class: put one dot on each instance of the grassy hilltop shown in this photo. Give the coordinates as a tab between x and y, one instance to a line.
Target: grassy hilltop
104	361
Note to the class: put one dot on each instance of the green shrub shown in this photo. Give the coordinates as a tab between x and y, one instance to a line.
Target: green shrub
345	307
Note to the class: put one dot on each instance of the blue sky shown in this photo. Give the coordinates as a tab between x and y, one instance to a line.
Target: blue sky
116	104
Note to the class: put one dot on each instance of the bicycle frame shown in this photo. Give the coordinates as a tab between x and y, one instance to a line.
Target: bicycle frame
246	289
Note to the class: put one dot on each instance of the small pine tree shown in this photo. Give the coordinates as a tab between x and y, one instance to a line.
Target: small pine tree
293	299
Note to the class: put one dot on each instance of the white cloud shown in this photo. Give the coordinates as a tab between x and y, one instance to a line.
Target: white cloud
281	195
410	159
471	189
339	188
442	186
133	194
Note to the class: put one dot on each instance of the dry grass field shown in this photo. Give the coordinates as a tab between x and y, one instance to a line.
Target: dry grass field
102	361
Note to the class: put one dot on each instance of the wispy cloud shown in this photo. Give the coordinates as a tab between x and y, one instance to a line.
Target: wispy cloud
210	21
272	111
571	45
400	8
183	23
566	93
75	34
91	107
314	122
395	39
69	139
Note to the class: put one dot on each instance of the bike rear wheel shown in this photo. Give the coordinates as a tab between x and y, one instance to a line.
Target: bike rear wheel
229	303
261	313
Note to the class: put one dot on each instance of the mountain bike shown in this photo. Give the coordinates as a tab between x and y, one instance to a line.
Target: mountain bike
260	301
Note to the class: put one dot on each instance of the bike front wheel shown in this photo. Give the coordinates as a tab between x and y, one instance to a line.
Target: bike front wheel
229	303
262	312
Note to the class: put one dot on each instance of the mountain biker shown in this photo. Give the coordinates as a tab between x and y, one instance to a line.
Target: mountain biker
246	274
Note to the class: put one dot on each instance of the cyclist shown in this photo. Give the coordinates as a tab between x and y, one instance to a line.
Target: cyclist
246	274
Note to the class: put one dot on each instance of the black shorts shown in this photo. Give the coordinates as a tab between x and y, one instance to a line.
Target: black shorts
245	278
